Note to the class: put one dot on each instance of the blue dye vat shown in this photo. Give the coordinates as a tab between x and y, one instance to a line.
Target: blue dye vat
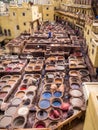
57	94
46	95
44	104
56	103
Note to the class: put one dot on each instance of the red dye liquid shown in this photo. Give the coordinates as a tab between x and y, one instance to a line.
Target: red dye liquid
23	87
8	69
40	126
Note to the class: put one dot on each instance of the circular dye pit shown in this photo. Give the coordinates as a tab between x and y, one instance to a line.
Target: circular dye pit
42	115
3	94
30	94
56	103
15	77
53	124
44	104
6	88
74	79
57	94
58	81
54	114
73	73
16	69
20	94
51	76
75	93
40	124
2	83
32	88
59	67
25	81
28	76
23	111
47	95
76	102
23	87
16	101
8	69
19	121
11	110
75	86
6	77
84	72
85	79
11	82
27	102
5	121
47	86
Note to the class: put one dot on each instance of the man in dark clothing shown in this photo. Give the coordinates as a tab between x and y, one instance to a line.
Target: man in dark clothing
49	34
96	73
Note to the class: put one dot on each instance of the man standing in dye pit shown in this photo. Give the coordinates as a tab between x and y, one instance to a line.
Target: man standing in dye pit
49	34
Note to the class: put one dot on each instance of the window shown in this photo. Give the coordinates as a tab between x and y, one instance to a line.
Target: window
47	14
47	8
9	32
17	27
23	14
5	32
24	24
13	13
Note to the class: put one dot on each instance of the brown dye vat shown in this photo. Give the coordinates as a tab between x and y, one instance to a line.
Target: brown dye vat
15	77
20	94
49	80
74	79
36	76
5	121
3	94
6	88
37	68
11	82
73	65
42	115
11	110
1	68
47	86
16	101
6	77
50	67
16	69
58	81
28	76
53	124
81	65
60	58
73	73
29	68
75	86
75	93
76	102
83	72
85	79
19	121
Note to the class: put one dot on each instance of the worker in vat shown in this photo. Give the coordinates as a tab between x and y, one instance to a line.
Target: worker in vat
49	34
